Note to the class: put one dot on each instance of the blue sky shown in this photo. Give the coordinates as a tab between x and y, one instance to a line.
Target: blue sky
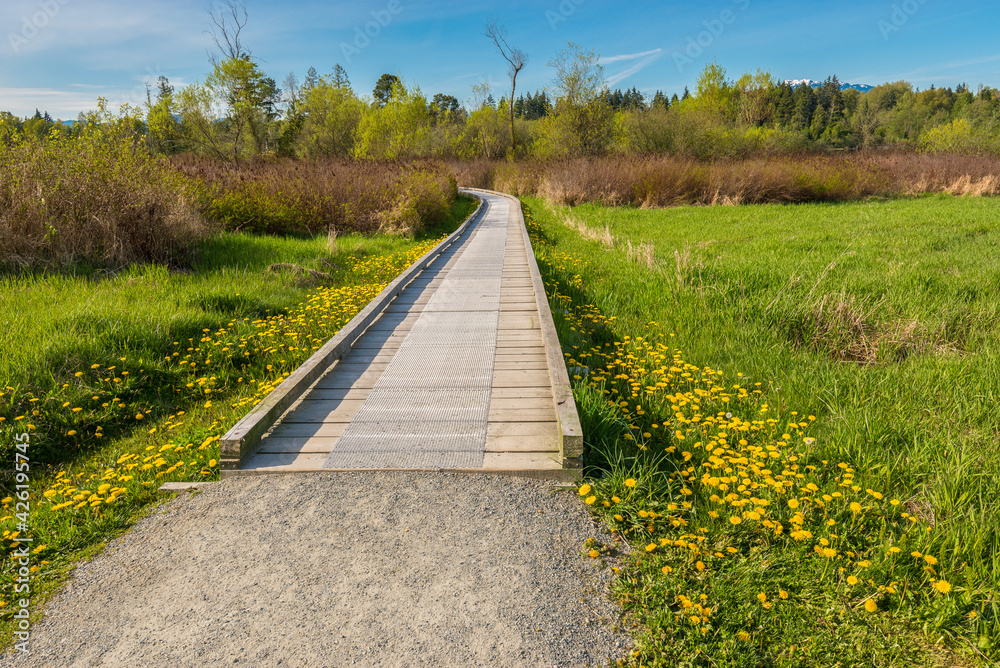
59	55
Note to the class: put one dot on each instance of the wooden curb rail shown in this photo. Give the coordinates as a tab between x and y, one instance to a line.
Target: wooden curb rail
243	440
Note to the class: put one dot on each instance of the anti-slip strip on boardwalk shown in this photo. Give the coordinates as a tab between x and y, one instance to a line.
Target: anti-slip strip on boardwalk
430	407
414	407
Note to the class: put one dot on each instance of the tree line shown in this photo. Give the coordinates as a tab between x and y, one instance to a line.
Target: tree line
238	112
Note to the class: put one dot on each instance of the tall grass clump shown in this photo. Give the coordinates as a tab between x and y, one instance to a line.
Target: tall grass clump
310	197
101	199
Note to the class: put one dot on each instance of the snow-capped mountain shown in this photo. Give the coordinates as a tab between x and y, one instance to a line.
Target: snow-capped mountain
864	88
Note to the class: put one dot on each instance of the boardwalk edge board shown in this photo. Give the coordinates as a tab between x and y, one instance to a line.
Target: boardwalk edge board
570	431
242	441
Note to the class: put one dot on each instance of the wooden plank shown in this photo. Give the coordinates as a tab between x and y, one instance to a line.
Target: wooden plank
522	415
521	460
521	379
519	320
316	430
324	411
540	365
548	443
521	392
358	368
336	381
367	355
522	429
303	444
526	356
338	394
512	403
290	461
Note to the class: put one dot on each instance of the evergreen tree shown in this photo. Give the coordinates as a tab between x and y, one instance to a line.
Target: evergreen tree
687	93
383	89
784	109
312	78
661	100
340	78
805	107
674	99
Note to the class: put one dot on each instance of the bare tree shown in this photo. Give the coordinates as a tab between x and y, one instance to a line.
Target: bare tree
516	60
229	20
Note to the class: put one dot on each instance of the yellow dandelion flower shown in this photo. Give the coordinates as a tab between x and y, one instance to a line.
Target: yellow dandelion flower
650	547
594	554
793	503
735	519
855	507
871	605
743	636
762	597
589	500
585	490
700	565
942	586
667	570
851	580
782	594
630	482
930	560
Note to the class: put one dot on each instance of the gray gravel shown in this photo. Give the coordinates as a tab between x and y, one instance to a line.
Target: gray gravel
343	569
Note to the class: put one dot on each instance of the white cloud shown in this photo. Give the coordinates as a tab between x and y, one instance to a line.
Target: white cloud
631	56
59	103
648	58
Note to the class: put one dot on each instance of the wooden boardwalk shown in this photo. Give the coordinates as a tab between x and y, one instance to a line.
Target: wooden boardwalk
456	373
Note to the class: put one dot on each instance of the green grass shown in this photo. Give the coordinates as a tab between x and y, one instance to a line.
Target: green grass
159	365
877	318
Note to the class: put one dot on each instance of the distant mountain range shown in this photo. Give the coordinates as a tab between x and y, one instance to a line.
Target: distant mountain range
864	88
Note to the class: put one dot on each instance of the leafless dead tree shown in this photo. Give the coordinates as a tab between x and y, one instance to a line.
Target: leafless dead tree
516	60
229	18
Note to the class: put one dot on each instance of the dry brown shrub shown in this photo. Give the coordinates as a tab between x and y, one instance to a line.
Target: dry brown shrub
658	181
99	199
848	329
309	197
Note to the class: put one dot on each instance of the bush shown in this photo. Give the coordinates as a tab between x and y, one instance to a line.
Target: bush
100	199
310	197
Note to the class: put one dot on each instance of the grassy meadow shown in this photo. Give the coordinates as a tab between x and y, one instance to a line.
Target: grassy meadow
125	380
790	411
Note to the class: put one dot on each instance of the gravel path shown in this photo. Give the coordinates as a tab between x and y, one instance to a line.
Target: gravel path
342	569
